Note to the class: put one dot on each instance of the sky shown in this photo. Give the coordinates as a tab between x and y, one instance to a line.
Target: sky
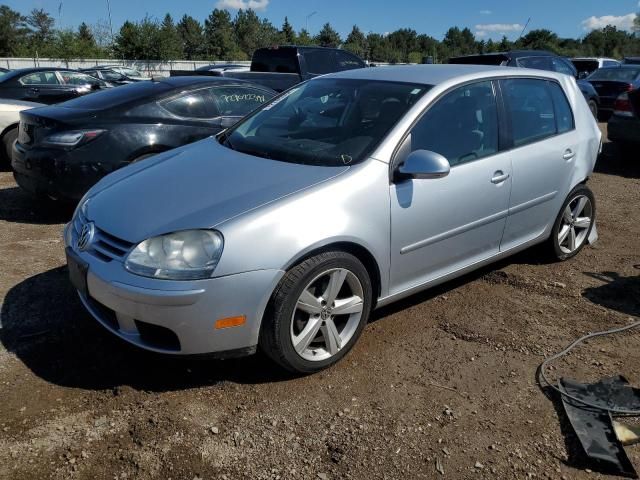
486	18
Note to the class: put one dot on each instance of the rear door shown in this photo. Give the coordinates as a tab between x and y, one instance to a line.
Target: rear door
44	87
544	147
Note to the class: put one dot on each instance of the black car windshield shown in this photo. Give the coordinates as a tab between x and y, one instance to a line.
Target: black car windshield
616	74
325	121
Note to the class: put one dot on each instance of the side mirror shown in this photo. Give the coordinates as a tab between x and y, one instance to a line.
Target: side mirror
423	164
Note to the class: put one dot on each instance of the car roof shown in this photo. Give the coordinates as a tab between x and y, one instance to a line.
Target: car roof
435	74
594	58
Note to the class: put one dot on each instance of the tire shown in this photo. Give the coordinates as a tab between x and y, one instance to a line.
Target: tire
283	337
593	106
7	143
570	231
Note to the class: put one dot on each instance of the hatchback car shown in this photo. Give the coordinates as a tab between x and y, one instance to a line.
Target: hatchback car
65	149
343	194
48	85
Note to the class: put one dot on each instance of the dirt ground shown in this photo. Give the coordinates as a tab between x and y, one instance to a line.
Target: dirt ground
441	385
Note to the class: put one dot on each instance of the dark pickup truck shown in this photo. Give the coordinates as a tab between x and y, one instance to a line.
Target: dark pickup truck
280	68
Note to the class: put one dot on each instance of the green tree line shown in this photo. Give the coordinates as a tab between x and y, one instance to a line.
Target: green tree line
223	37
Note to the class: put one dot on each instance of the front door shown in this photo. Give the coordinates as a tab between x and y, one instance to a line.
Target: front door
439	226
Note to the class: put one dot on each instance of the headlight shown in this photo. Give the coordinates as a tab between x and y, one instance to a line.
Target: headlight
187	255
72	138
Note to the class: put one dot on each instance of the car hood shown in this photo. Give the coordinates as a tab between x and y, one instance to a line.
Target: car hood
196	186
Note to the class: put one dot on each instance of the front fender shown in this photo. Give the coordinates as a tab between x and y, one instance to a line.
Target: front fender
351	208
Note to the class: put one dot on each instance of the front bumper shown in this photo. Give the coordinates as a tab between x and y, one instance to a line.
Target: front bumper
177	317
65	174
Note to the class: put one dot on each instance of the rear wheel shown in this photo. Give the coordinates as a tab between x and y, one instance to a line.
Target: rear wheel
317	312
8	140
574	223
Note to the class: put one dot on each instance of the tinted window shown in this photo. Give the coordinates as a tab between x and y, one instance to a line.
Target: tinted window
562	66
539	63
77	78
610	63
585	65
194	104
462	126
346	61
40	78
325	121
114	97
563	113
320	62
531	108
283	60
238	101
617	74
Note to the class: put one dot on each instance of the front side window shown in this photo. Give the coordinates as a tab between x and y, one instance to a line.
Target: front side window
347	61
40	78
462	126
327	121
194	104
238	101
531	107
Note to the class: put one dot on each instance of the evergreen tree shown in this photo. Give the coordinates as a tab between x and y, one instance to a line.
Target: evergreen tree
220	41
288	33
304	38
13	32
356	42
191	36
170	45
328	37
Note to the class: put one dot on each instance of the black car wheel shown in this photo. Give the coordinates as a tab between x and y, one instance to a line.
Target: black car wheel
8	140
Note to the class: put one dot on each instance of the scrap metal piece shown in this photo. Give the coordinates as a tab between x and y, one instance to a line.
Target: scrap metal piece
594	426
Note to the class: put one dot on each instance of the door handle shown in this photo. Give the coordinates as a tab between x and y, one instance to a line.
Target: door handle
499	177
568	154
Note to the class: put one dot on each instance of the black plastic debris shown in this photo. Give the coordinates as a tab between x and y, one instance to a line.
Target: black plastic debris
595	426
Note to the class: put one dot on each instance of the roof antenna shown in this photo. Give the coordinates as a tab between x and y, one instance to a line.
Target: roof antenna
525	27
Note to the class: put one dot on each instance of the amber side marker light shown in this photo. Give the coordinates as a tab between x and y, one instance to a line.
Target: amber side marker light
230	322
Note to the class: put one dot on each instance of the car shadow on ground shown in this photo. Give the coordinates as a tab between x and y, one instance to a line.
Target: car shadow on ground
19	207
615	160
46	327
618	293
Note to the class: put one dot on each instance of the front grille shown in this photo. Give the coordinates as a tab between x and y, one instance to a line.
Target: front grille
105	246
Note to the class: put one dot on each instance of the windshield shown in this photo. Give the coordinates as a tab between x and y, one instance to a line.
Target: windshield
617	74
326	121
129	71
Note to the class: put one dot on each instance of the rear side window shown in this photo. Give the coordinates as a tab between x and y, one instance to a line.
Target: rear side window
40	78
320	62
538	63
539	109
346	61
238	101
462	126
562	109
194	104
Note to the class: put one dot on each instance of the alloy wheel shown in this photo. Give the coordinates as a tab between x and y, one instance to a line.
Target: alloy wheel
327	314
575	224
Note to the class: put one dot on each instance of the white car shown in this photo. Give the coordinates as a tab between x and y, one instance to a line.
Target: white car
9	121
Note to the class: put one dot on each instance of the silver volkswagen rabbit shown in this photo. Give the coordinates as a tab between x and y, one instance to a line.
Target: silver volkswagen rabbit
343	194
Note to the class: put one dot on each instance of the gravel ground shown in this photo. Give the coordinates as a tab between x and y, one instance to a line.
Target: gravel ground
440	385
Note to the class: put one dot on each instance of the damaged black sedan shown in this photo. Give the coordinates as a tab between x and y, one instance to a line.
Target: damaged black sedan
63	150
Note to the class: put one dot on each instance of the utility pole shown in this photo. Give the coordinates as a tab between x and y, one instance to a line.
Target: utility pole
307	23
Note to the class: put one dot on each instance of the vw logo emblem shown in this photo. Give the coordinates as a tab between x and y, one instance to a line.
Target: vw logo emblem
86	236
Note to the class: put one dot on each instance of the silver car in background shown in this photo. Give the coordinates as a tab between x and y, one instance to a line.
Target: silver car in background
343	194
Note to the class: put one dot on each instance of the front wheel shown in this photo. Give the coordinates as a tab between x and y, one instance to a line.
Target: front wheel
317	312
573	224
8	140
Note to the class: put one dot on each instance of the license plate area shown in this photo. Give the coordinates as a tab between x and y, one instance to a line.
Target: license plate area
78	269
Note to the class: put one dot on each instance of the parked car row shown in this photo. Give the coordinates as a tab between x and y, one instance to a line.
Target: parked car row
285	230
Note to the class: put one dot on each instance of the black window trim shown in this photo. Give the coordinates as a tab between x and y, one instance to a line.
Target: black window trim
505	134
